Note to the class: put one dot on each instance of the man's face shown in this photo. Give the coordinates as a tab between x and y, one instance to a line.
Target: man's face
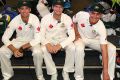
58	9
94	17
24	11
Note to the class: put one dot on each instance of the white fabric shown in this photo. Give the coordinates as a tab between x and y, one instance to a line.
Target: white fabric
42	9
25	33
93	44
87	30
92	40
55	32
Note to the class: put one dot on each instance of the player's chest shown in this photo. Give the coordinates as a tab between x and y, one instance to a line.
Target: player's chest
24	28
55	26
85	26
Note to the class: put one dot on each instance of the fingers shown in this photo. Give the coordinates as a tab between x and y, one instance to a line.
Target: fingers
52	50
18	54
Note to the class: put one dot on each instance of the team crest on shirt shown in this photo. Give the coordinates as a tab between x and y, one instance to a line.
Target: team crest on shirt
50	26
38	29
19	28
82	25
30	25
94	32
62	25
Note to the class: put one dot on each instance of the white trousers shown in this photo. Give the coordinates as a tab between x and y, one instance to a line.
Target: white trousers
6	53
69	60
93	44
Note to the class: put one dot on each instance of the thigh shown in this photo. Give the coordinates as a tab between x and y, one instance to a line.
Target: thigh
111	48
6	51
93	44
36	48
18	43
70	47
79	44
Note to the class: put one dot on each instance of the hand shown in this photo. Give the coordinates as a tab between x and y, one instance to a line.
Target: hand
25	46
21	50
50	48
106	76
17	53
57	48
42	1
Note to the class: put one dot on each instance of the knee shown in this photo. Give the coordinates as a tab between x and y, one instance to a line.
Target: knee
44	49
72	48
1	52
112	49
37	52
4	54
79	48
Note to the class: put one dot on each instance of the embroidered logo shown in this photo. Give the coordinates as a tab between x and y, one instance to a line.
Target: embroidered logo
38	29
82	25
62	25
20	28
50	26
30	26
93	31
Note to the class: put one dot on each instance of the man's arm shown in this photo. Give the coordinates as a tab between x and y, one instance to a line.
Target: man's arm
24	47
104	49
70	33
15	51
77	35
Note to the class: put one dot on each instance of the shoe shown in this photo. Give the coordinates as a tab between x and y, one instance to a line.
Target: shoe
5	79
54	76
78	78
41	78
65	75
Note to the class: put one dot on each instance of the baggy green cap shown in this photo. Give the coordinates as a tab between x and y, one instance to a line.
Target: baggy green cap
24	3
58	2
98	8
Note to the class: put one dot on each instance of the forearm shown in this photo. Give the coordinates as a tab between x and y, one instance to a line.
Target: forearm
77	35
104	50
69	39
15	51
12	48
26	46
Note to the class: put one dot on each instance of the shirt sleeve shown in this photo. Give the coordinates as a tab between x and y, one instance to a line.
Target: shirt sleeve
37	38
8	33
43	31
70	33
74	18
102	33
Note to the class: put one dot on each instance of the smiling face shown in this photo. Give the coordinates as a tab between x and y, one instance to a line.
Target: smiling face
58	9
24	11
94	17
